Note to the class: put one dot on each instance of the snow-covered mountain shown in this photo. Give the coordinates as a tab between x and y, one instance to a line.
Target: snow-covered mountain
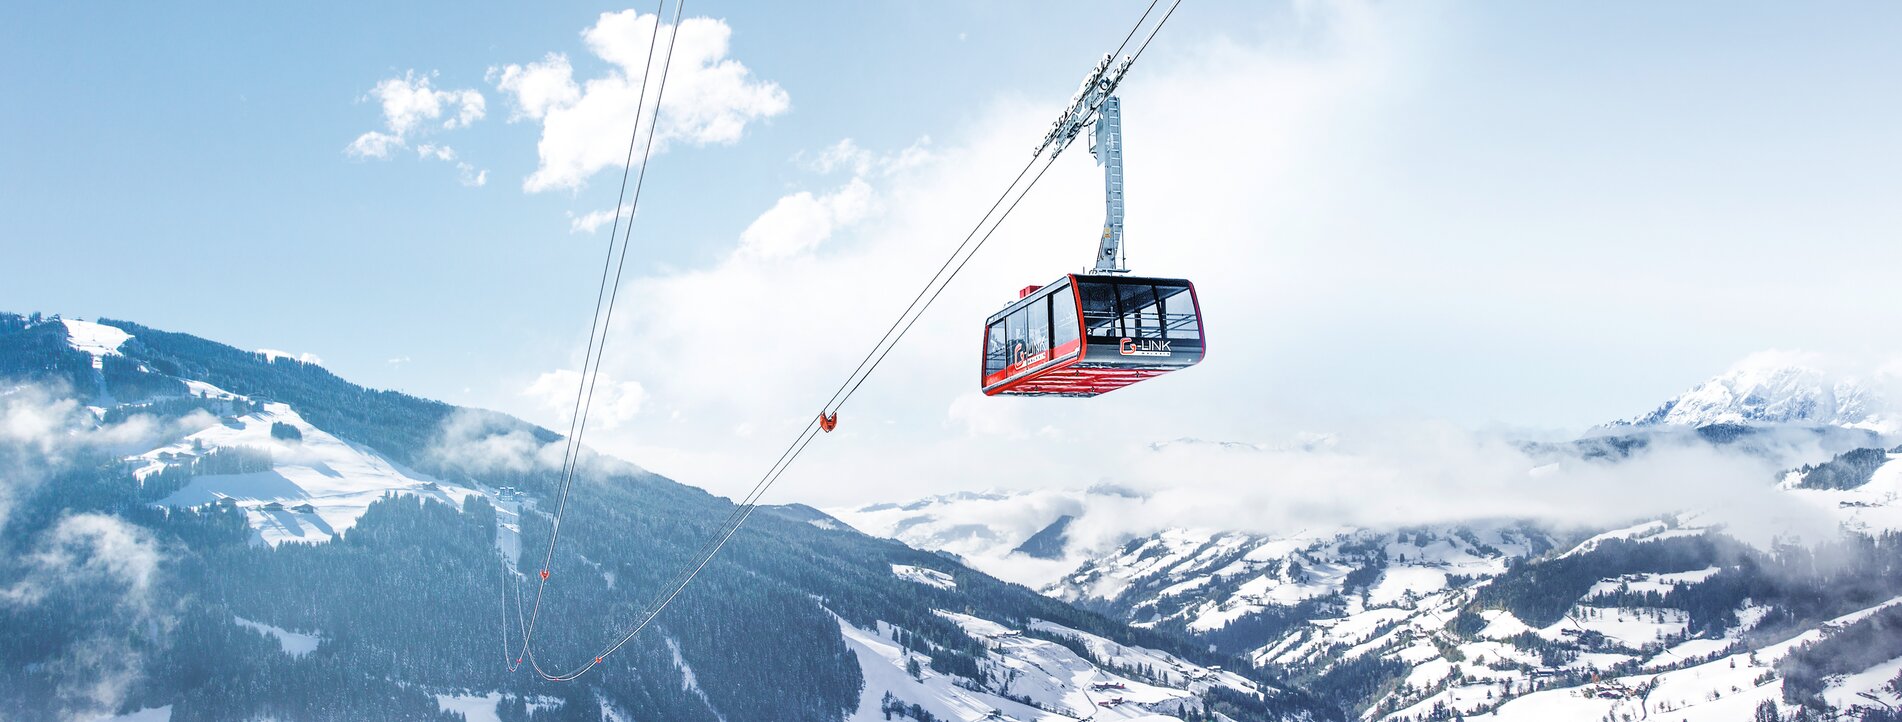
1775	388
243	535
1505	620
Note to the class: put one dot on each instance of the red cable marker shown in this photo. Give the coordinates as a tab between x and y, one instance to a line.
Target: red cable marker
544	574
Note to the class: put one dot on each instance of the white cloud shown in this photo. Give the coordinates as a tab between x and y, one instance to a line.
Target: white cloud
538	87
408	102
469	176
982	415
799	222
611	404
410	108
593	220
438	152
373	144
848	155
476	441
709	98
1415	474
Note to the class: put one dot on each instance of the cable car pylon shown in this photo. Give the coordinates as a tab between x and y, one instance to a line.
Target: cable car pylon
1088	334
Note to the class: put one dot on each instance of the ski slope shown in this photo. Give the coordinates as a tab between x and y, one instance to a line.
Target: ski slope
338	479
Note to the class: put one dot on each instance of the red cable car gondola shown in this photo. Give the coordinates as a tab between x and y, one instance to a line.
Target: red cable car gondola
1088	334
1091	334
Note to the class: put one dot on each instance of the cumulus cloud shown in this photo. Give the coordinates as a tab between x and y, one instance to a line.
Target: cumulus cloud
799	222
593	220
478	442
710	98
1436	474
413	109
373	144
469	176
438	152
538	86
847	154
610	404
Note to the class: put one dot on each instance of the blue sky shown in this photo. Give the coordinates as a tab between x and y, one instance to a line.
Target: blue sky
1524	215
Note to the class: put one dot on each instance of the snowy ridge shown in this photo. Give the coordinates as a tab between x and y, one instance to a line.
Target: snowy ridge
1208	580
1774	388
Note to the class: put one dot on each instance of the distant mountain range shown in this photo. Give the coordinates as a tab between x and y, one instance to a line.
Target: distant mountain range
1770	388
192	531
1499	619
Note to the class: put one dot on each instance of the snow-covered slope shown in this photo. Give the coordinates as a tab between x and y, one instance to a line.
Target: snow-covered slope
1727	687
1031	678
316	484
1775	388
1205	580
1872	507
93	339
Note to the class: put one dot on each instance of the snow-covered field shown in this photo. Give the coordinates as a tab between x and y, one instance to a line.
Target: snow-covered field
337	479
295	644
1031	679
927	577
94	339
1727	688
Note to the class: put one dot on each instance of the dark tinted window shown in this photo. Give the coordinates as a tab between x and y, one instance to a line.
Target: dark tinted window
1099	309
1062	316
1141	317
1178	312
